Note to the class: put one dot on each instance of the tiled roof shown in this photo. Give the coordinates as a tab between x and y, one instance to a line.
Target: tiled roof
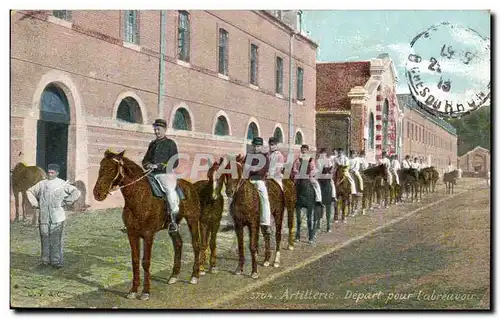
407	101
335	80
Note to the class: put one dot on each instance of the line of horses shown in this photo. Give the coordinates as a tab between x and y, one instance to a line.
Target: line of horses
203	204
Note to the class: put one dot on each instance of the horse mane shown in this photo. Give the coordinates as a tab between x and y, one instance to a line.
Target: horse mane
128	164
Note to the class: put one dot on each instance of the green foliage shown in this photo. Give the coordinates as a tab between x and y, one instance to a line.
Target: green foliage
473	130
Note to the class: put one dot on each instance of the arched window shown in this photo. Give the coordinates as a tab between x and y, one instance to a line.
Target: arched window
371	132
298	138
385	125
129	111
182	120
252	132
278	134
54	105
221	128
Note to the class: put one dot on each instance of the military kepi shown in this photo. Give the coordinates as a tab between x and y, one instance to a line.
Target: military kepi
53	167
258	141
160	122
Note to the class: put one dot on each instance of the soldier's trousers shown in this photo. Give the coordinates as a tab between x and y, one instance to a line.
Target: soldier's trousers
51	236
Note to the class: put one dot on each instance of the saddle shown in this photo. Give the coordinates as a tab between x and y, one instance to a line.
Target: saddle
157	189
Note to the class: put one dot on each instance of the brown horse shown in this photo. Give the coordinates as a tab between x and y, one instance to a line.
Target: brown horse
434	178
290	193
450	180
371	178
408	178
22	178
343	189
212	206
144	215
277	203
245	210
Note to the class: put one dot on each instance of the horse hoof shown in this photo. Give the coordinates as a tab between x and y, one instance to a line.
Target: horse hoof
363	212
172	280
276	265
202	273
145	296
193	281
266	264
345	221
254	275
238	272
213	270
131	295
291	247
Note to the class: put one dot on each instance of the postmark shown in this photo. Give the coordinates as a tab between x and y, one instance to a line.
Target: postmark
448	70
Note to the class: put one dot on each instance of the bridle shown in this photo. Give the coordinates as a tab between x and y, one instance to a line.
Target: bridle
121	172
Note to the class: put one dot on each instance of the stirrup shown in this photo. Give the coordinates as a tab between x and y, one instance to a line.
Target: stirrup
173	227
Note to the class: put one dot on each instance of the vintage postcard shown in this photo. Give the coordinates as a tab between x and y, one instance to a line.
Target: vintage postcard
250	159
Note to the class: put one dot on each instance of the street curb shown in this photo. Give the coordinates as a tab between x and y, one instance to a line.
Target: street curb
312	259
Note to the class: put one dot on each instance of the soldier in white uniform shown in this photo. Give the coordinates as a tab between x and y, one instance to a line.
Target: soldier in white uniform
395	167
325	163
450	168
355	167
385	161
415	164
363	162
51	195
407	162
342	160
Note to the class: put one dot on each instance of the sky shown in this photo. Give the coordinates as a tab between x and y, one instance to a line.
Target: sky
361	35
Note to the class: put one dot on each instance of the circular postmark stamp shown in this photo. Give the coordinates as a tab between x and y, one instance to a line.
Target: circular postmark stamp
448	70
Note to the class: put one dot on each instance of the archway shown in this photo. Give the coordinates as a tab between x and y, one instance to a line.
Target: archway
52	129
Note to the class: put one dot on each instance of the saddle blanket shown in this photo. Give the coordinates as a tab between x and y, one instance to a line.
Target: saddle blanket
158	190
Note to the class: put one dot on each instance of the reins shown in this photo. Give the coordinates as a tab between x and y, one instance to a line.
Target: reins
120	172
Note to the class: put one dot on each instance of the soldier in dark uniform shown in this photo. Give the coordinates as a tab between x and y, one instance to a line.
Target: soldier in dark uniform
160	152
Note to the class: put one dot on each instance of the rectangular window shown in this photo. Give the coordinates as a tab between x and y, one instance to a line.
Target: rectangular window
183	36
412	132
407	130
300	84
131	27
62	14
223	52
254	64
279	75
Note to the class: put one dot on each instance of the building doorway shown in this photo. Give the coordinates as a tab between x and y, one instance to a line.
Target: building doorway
52	130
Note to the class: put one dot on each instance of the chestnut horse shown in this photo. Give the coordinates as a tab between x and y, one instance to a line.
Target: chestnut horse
144	215
343	188
290	193
22	178
371	176
212	206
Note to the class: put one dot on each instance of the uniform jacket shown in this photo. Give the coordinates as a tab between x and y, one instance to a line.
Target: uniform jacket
50	195
276	162
160	151
259	174
311	167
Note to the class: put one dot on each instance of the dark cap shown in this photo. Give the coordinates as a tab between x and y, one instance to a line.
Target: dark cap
273	140
53	167
258	141
305	146
160	122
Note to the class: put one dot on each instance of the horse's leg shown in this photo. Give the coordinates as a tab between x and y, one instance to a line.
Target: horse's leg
146	263
329	216
298	213
311	210
253	234
278	220
177	243
16	201
291	229
266	233
336	210
213	247
134	241
241	249
204	235
195	243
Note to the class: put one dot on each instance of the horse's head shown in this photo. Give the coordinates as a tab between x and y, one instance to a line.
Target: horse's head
342	170
110	174
215	179
230	180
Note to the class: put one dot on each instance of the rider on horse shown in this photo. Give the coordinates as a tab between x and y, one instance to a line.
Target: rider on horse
310	171
257	177
385	161
362	161
407	162
276	162
416	164
355	164
395	167
343	160
160	152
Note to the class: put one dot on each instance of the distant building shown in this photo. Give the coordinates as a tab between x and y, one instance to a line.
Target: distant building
357	108
476	162
88	80
427	136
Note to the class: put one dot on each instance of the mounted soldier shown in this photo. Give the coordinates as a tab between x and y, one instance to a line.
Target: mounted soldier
362	160
395	167
160	152
407	162
276	162
416	164
343	160
385	161
355	167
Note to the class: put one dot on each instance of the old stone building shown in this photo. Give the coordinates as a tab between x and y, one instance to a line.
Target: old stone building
86	81
427	136
475	162
357	108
